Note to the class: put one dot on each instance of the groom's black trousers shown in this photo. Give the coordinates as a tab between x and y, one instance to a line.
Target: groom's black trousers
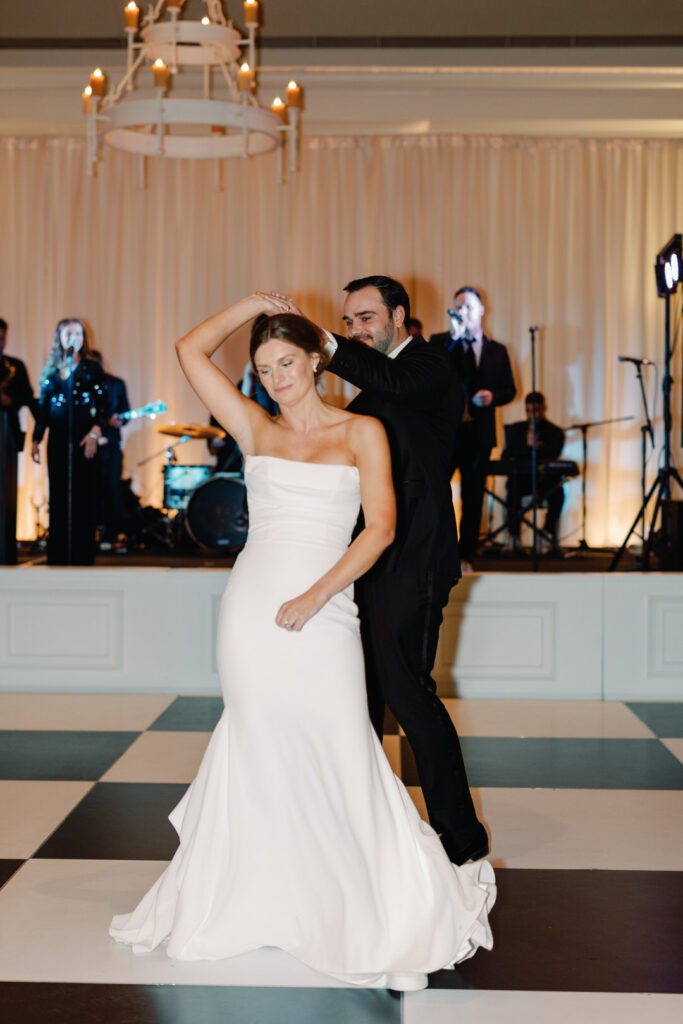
400	615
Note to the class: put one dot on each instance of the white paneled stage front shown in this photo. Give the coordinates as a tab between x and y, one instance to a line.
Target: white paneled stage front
505	635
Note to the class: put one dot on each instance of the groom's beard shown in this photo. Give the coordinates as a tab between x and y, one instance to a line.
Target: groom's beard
383	342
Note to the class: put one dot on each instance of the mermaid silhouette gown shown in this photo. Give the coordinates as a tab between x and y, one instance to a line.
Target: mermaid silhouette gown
296	833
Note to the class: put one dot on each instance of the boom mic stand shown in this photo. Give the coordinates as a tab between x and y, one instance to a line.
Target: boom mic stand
4	497
661	488
583	544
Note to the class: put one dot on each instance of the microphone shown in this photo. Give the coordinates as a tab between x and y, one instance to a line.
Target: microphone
534	328
456	315
635	360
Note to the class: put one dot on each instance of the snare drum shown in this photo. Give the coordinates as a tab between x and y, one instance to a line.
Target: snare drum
180	482
216	517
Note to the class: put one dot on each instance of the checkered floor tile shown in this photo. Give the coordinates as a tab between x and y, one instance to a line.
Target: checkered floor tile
584	801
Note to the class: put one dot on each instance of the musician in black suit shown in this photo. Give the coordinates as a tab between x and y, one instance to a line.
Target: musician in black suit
519	446
411	388
486	382
15	392
111	516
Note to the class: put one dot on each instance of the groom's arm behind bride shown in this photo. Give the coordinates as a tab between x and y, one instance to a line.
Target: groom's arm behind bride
411	387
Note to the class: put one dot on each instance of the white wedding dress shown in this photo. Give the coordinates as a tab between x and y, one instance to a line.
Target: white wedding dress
296	833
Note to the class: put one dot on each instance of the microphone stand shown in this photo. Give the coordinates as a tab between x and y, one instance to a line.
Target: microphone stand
583	544
70	460
534	455
5	553
4	496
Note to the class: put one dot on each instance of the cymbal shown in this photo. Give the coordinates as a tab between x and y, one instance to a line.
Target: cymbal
194	430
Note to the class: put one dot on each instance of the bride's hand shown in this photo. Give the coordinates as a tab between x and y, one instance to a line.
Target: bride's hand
293	615
278	303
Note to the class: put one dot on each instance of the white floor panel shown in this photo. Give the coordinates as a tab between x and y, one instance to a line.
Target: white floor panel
476	1007
160	757
676	747
97	712
634	830
31	811
56	915
586	719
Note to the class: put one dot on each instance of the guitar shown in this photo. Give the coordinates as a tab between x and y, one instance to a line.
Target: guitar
152	409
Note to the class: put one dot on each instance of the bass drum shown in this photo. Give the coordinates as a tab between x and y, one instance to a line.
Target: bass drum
216	517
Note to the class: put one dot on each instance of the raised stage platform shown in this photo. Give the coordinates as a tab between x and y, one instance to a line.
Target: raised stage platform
505	635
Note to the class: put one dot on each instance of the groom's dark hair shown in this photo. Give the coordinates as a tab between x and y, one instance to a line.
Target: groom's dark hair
392	291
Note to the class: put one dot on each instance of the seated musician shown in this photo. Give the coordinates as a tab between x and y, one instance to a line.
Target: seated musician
518	446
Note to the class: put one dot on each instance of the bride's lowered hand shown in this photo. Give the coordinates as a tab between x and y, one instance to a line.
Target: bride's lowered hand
293	615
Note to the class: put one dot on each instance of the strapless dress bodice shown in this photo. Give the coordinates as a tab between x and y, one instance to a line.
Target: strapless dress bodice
309	503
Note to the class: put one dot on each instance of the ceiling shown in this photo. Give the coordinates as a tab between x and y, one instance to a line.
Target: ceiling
377	22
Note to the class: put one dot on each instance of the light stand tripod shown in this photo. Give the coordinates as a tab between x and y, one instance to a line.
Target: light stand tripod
661	488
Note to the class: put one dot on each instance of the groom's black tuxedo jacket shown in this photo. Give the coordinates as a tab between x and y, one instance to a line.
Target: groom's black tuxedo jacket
413	396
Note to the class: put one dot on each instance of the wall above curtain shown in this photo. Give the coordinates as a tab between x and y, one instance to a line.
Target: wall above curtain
623	93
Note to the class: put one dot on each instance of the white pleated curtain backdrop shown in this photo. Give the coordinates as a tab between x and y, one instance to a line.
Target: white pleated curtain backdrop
560	233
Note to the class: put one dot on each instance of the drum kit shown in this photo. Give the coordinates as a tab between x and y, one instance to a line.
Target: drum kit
206	508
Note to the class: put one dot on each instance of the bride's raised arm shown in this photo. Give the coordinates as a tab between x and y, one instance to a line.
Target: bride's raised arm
239	415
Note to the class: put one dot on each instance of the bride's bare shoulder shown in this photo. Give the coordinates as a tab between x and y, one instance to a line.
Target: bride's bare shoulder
364	431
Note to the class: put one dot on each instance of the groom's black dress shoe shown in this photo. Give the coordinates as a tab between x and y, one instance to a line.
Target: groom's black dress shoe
478	848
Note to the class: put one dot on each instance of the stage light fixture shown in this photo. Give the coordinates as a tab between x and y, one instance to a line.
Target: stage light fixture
668	267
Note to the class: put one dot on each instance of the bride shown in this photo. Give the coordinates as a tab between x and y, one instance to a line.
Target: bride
295	833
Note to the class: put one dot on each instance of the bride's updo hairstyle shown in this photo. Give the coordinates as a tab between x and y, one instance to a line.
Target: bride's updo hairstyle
297	330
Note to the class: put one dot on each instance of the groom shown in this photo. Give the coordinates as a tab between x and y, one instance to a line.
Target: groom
411	388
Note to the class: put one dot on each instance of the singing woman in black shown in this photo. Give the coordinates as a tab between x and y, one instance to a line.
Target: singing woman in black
72	408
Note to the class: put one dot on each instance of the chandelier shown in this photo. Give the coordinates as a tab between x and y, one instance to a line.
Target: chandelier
146	113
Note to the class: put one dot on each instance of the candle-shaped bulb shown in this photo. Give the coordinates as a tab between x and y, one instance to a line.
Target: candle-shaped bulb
87	100
160	74
97	82
293	95
279	108
251	12
245	78
131	15
206	21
